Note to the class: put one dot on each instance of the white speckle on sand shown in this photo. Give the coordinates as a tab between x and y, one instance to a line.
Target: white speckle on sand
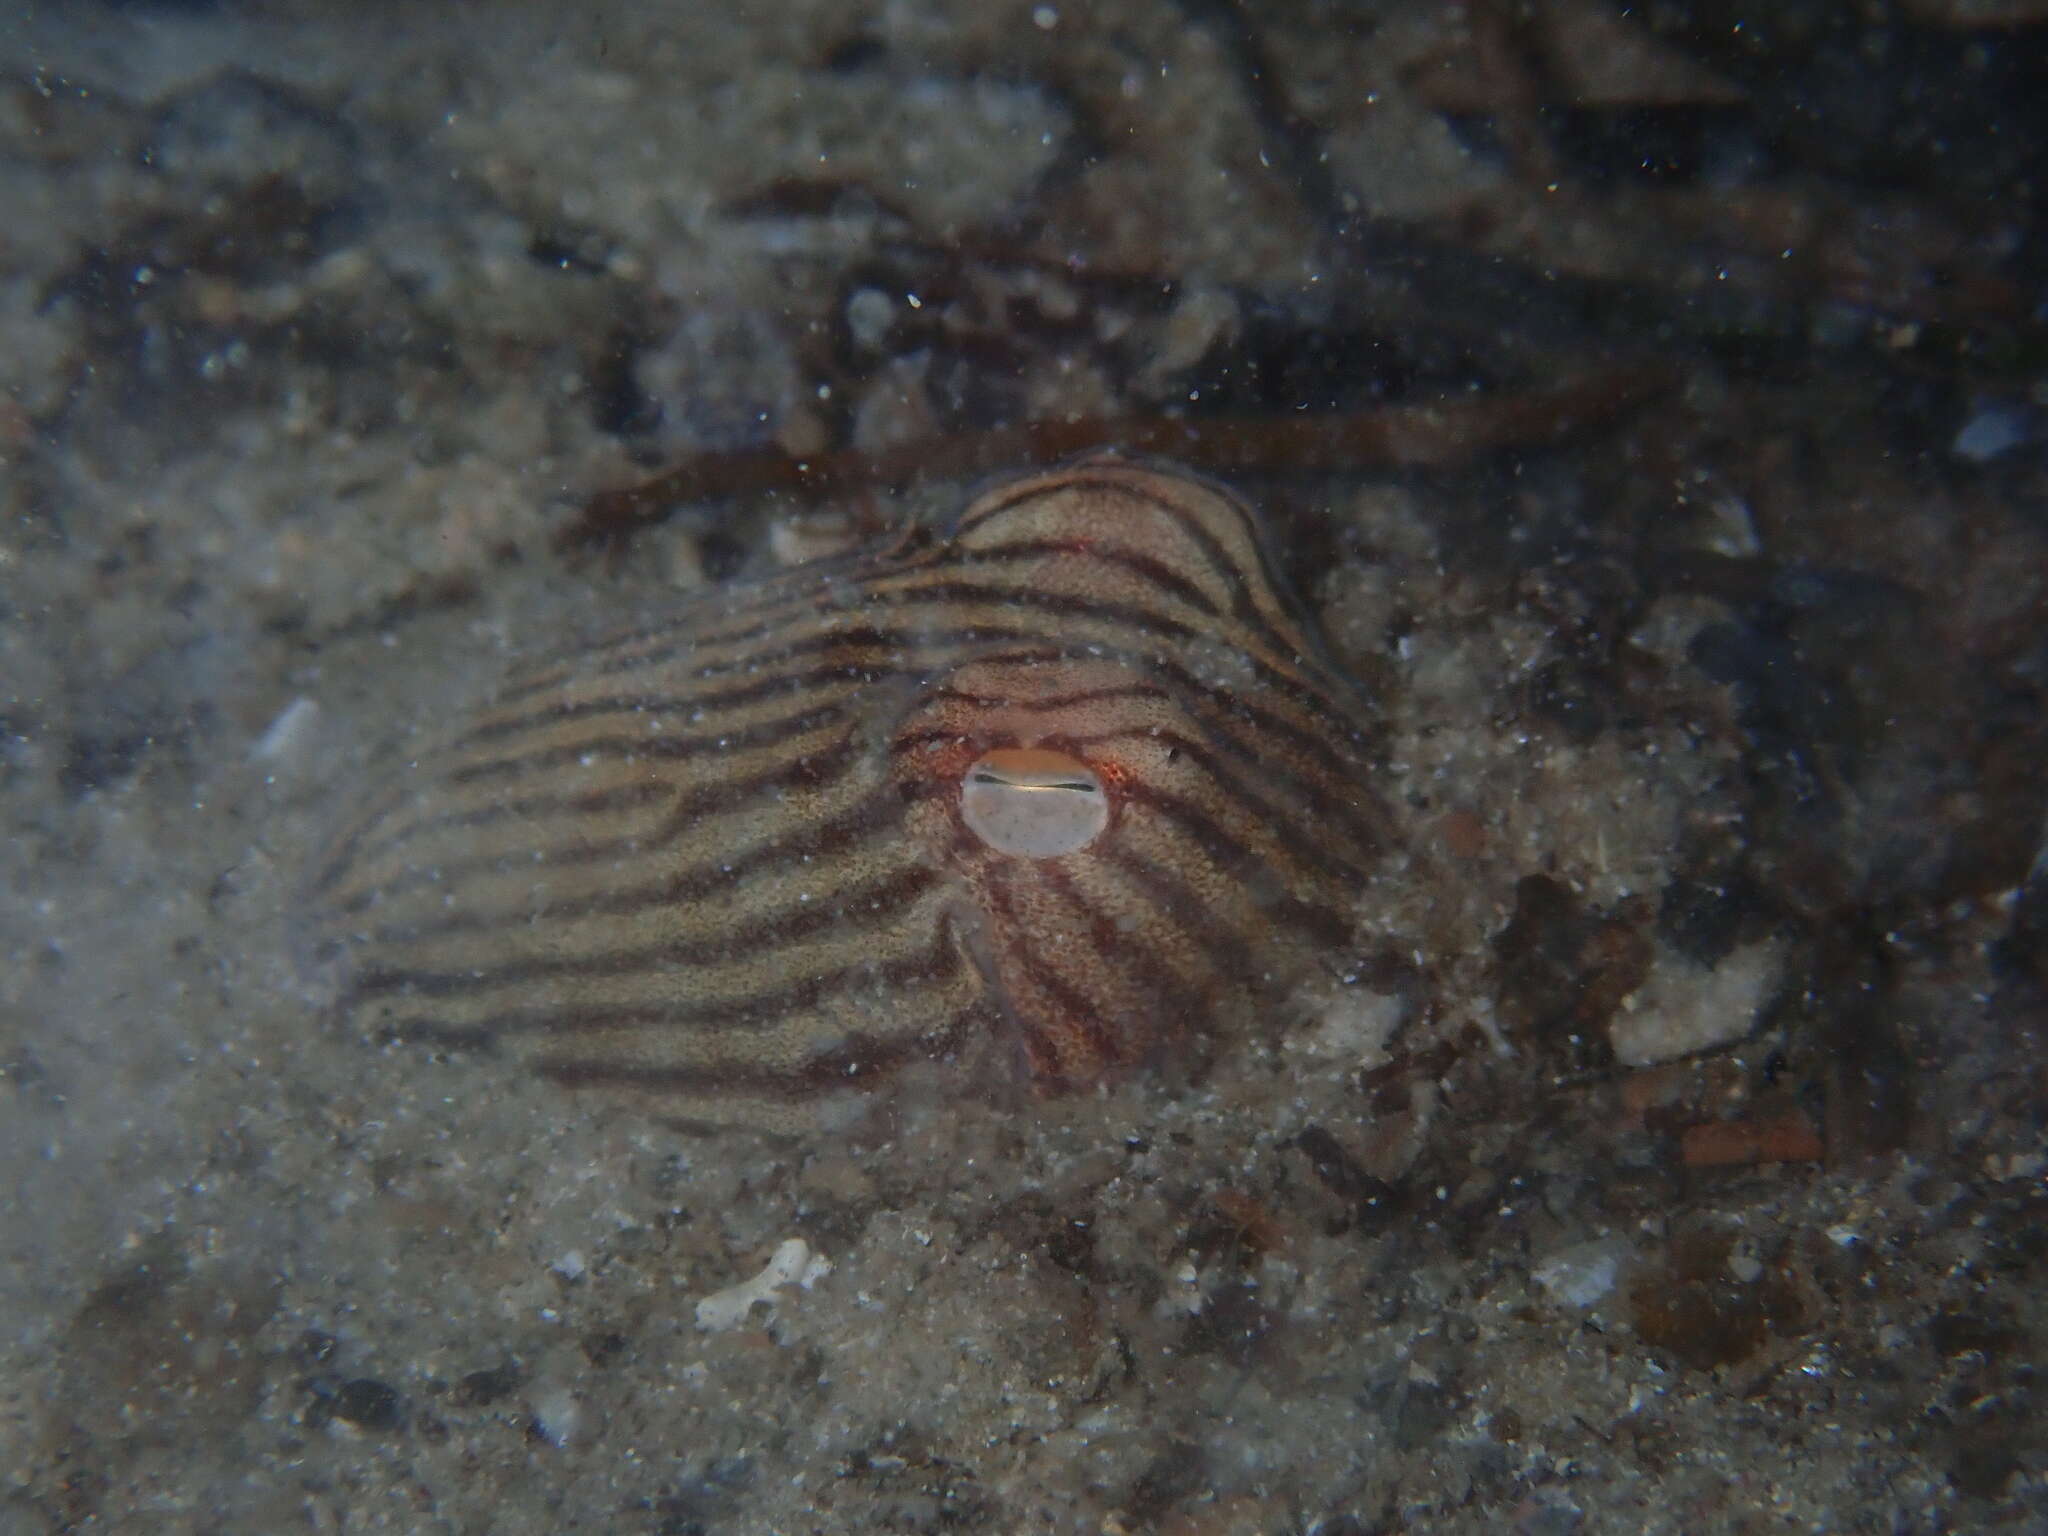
556	1415
289	737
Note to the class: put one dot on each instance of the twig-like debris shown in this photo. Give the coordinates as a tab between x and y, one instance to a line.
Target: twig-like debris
1391	437
1739	1143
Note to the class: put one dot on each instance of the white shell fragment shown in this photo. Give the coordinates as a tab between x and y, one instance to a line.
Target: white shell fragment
1580	1275
1682	1008
793	1263
1033	802
289	740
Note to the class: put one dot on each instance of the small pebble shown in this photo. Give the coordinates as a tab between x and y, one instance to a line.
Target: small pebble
1994	428
1580	1275
556	1416
480	1388
367	1404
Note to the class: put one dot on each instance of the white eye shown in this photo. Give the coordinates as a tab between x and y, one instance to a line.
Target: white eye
1033	802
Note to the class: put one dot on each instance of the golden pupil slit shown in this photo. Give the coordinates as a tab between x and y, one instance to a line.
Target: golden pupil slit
1079	786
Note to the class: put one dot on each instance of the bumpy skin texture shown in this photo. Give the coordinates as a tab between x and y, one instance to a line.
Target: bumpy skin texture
724	863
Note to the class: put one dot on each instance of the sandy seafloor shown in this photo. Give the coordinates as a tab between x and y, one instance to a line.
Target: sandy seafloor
312	320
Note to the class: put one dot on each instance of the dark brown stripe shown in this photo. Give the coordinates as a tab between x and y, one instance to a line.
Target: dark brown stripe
1014	937
1121	952
771	609
1039	706
1301	840
937	964
1324	924
866	672
596	802
826	840
829	765
342	855
713	701
820	770
1230	951
930	592
858	908
756	608
1254	528
653	748
1226	721
1292	684
1217	840
860	1063
1134	487
1155	572
910	650
772	616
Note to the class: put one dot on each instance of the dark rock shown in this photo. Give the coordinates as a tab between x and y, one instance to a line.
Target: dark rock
368	1404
